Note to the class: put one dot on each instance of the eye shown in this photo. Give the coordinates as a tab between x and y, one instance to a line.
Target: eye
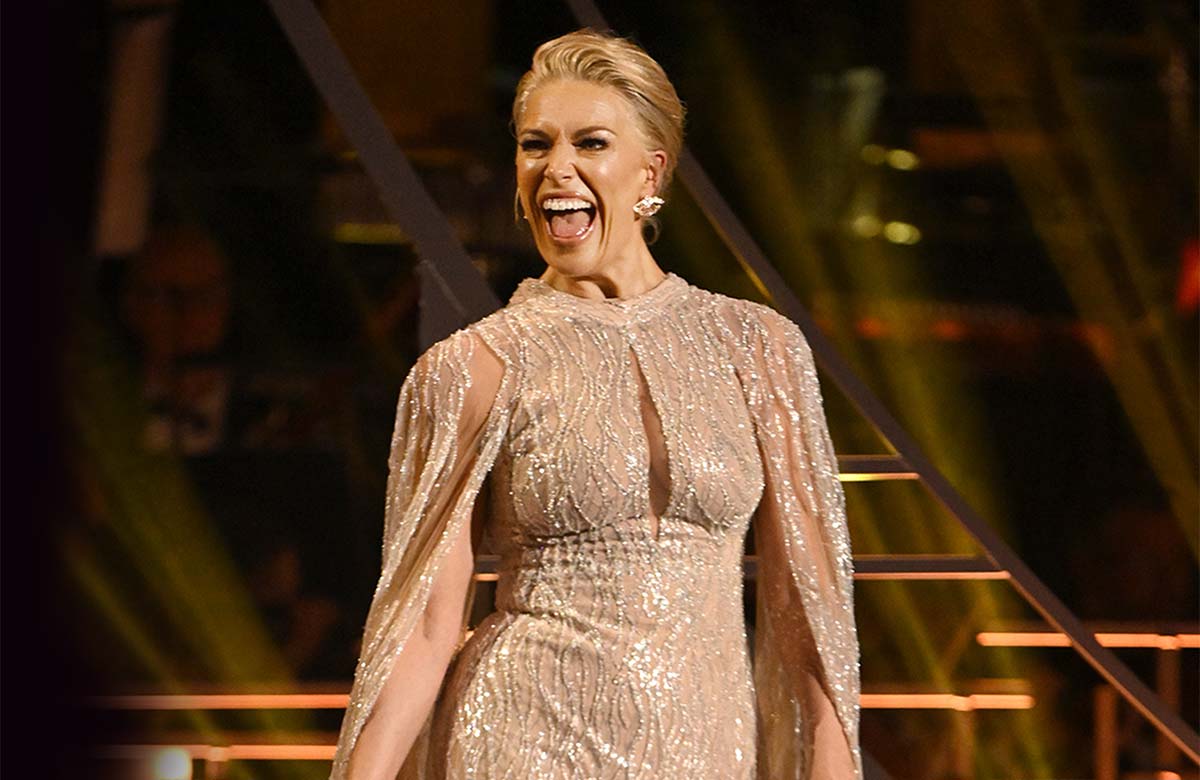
533	144
593	143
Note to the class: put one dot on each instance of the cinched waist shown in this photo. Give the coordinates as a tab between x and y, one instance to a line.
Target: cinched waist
621	581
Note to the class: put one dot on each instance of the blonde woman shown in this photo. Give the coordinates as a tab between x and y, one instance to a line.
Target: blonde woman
633	428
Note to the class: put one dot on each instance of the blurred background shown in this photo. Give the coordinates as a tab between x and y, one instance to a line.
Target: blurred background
990	207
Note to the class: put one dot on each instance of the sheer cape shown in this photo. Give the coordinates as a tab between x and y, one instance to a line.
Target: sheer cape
805	649
438	463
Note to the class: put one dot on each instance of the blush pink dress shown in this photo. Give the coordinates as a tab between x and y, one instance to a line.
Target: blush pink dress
630	445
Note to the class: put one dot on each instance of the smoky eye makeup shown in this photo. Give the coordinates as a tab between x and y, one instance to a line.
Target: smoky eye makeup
533	144
588	139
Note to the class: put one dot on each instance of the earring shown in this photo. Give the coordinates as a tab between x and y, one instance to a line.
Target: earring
648	206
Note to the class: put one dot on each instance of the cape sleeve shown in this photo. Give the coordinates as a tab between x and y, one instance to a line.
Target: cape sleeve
806	652
450	419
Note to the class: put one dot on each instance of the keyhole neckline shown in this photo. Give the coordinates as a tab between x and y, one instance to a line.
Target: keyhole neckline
651	415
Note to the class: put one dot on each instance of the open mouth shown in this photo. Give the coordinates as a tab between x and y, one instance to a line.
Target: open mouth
568	219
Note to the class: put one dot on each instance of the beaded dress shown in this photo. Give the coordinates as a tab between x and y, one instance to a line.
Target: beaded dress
628	445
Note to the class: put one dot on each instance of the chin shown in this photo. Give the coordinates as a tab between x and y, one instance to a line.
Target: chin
576	261
571	258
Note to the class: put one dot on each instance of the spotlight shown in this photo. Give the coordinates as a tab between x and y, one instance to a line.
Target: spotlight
171	763
902	160
901	233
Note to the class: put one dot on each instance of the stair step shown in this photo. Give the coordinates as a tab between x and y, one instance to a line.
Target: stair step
873	468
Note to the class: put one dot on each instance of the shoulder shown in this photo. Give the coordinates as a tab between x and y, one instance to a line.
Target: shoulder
753	326
467	366
476	342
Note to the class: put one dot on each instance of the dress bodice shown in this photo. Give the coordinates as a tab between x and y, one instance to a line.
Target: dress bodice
577	455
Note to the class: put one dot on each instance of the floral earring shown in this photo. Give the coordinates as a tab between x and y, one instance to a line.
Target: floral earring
648	206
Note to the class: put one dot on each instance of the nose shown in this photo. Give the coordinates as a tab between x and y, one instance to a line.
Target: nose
560	162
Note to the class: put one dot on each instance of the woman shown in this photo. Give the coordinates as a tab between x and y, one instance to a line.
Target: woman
634	427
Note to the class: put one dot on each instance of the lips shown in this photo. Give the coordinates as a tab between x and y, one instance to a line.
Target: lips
569	218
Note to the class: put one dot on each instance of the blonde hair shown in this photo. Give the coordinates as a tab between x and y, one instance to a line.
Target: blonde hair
619	63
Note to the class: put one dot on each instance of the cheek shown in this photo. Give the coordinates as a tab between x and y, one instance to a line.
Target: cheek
525	172
620	186
623	176
526	183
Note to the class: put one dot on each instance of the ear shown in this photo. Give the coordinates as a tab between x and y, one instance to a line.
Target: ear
656	164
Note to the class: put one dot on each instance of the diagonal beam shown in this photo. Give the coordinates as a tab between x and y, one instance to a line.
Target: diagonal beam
1039	596
400	188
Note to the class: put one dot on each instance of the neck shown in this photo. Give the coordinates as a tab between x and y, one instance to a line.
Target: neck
619	279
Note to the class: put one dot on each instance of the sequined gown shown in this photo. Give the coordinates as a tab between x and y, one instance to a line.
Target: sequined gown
631	444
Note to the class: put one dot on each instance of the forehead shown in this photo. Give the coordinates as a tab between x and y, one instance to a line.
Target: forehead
570	104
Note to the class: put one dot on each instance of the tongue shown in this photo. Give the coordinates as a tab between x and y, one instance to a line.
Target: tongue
568	224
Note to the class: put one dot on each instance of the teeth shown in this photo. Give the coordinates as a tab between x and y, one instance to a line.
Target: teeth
565	204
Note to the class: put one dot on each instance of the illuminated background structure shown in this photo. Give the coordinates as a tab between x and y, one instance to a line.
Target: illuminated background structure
988	208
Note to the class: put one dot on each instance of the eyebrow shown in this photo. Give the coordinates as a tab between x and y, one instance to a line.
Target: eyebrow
592	129
576	134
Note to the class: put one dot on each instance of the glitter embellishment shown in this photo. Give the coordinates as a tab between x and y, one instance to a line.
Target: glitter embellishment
631	445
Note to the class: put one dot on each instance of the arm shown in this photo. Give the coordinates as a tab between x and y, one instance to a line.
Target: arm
412	687
833	757
806	644
449	423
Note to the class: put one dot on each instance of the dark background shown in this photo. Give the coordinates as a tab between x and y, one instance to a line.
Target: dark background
1018	412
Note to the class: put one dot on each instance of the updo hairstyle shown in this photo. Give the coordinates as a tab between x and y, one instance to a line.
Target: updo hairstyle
600	58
